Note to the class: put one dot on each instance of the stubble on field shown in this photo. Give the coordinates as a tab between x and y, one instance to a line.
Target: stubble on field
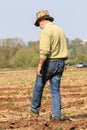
16	89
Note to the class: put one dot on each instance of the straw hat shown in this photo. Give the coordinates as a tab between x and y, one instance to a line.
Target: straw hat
41	15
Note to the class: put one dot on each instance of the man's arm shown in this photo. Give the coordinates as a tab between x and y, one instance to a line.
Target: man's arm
40	65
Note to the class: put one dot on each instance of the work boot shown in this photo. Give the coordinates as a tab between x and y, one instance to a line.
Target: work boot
33	114
62	118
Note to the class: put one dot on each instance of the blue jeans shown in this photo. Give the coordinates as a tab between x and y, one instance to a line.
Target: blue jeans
52	71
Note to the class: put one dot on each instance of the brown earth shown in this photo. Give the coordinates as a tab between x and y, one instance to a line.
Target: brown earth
16	93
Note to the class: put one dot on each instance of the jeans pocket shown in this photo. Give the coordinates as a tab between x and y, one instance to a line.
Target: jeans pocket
47	72
61	66
49	69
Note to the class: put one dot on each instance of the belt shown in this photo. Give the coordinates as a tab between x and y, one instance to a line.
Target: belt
55	59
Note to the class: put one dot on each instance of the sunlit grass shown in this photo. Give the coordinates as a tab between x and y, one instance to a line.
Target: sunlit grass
27	77
17	77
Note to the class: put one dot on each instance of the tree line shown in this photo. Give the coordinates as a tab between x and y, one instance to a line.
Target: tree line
77	51
14	53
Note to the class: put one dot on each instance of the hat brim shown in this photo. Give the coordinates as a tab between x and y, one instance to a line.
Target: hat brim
47	17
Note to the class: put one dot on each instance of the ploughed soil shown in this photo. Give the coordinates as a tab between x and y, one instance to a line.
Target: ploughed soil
16	93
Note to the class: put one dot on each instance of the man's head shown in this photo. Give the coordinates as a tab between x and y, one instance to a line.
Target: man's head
43	16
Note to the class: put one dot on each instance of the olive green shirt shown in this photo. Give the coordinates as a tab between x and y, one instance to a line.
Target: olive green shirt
52	43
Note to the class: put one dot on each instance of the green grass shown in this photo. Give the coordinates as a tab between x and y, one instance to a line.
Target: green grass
29	91
68	113
11	103
59	128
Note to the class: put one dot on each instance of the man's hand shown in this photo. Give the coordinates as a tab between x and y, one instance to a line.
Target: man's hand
40	65
39	69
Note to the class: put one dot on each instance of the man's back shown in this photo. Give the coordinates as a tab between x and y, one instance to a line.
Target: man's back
53	42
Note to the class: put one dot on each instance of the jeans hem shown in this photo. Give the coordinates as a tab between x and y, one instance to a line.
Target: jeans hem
34	111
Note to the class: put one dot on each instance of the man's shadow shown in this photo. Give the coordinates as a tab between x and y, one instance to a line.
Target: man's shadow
79	116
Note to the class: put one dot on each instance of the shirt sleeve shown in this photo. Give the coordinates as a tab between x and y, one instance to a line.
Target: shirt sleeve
44	44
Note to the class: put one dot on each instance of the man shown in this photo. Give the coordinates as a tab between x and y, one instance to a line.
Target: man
53	53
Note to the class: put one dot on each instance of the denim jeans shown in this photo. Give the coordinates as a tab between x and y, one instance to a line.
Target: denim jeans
52	71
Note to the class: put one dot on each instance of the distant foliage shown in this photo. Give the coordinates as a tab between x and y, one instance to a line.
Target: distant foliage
26	57
14	53
77	51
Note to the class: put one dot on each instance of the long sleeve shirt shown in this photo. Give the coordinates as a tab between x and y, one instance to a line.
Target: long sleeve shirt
53	43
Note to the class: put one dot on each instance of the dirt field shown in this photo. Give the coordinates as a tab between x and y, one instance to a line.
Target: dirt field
16	93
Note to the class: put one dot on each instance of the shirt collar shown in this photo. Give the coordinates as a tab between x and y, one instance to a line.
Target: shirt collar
48	24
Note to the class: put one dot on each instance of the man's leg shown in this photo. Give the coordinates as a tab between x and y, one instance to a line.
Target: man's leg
55	89
37	95
56	98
